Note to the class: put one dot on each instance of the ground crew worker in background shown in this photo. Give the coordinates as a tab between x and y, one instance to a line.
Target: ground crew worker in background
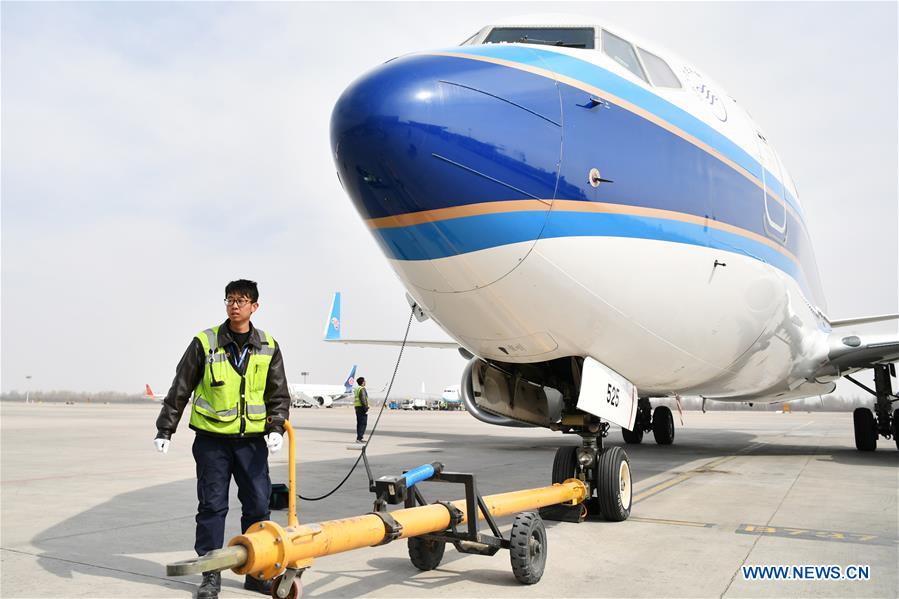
360	402
236	375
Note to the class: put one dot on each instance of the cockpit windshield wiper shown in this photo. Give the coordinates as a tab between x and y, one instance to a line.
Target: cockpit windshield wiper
560	43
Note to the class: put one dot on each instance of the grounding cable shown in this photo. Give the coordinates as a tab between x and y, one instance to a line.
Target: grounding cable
377	420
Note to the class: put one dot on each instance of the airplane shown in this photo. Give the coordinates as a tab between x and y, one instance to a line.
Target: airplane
596	223
321	396
451	397
153	396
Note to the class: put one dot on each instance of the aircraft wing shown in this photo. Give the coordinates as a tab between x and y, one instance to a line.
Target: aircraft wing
849	353
845	322
398	342
333	328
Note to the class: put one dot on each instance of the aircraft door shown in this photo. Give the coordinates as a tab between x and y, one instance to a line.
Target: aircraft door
775	204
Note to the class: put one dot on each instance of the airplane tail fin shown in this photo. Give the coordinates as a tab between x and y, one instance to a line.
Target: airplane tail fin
149	391
332	327
350	381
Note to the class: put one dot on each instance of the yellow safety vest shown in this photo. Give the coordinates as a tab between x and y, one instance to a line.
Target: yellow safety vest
225	402
357	397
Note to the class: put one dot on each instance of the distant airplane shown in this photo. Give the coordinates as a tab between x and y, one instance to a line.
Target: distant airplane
321	396
452	398
596	223
154	396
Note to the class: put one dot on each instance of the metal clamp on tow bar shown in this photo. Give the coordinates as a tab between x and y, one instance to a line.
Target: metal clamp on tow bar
456	515
392	529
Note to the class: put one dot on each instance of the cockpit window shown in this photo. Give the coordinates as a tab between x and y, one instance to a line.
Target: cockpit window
660	74
566	37
622	52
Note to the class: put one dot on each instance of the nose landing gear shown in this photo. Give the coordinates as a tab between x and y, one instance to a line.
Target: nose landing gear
607	473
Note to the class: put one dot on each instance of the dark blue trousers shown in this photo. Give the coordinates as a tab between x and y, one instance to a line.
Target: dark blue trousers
361	421
218	459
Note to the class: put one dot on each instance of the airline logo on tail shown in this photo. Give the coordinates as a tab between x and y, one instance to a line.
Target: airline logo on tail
150	395
350	381
332	327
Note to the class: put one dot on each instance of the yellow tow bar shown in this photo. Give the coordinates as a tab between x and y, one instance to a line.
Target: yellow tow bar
268	550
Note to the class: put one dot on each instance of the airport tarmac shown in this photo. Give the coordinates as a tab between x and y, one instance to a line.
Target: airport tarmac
89	509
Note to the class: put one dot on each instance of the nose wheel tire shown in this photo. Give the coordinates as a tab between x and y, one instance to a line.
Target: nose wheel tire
565	464
426	554
528	547
663	425
615	490
865	429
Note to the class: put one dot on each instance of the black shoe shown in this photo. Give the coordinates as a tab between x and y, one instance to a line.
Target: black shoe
211	585
260	586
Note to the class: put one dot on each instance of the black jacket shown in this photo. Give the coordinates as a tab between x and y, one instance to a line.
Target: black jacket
189	373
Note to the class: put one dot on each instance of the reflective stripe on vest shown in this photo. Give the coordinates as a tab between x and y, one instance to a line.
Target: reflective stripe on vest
268	349
199	401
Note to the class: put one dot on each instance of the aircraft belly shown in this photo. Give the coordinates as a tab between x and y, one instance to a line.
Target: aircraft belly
672	327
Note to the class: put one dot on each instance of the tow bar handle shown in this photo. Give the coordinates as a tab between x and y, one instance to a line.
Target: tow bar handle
424	472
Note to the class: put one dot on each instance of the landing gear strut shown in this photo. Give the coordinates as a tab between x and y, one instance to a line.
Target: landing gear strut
660	421
607	473
884	421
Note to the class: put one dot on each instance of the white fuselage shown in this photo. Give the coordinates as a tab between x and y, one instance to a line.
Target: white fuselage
742	330
317	395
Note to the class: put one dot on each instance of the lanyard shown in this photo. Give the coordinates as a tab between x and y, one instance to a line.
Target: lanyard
243	356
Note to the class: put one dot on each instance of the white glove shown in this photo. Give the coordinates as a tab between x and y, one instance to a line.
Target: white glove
162	445
274	442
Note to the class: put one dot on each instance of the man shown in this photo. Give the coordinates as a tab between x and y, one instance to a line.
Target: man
236	375
360	402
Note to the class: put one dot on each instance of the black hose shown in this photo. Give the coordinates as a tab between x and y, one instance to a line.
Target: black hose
377	420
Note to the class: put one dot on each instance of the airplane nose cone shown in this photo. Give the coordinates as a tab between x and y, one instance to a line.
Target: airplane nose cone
446	157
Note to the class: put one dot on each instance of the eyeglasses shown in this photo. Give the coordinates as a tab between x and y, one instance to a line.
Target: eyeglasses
240	303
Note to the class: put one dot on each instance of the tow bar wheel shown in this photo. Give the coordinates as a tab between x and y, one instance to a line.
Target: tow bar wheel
426	554
295	592
528	547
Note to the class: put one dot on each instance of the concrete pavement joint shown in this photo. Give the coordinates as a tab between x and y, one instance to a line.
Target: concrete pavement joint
76	562
774	513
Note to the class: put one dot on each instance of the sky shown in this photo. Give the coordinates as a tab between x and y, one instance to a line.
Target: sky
152	152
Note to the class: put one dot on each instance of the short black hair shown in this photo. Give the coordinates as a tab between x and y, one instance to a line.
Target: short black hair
243	287
360	380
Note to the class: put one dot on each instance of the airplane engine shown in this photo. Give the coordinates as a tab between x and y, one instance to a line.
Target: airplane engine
499	396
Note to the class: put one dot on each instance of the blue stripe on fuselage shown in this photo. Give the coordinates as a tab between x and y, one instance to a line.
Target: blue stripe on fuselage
456	236
596	76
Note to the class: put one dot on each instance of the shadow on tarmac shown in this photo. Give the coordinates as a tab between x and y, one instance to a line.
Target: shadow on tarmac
123	535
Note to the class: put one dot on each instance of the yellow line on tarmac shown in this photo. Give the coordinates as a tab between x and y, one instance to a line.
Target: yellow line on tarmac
672	522
662	486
